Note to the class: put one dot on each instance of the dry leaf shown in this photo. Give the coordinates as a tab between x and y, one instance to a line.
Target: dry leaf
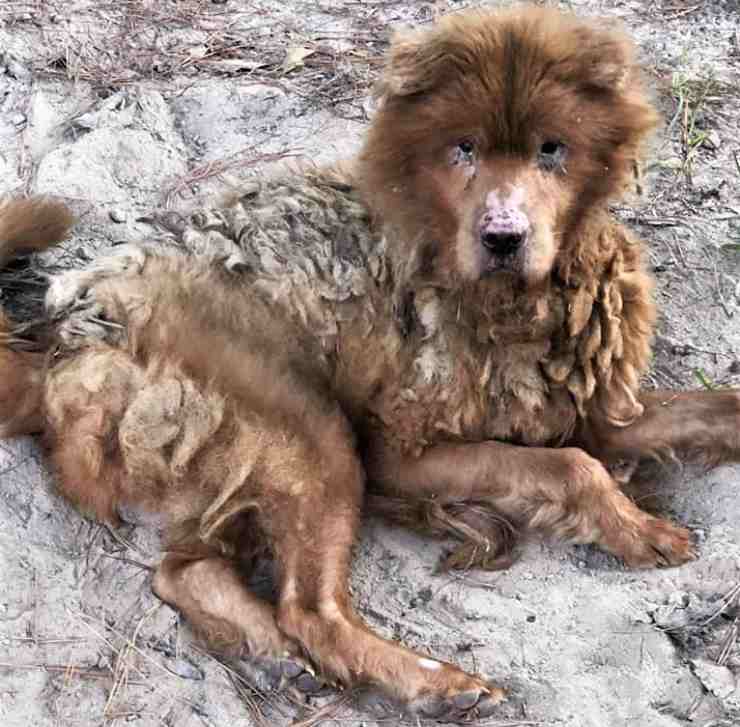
198	52
295	56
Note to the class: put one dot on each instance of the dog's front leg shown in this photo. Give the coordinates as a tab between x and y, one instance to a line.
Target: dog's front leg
561	492
697	426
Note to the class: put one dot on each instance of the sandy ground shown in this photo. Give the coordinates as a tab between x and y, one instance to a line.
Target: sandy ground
123	106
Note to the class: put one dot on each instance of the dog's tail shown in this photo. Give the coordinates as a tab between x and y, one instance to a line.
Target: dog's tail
486	539
26	225
31	225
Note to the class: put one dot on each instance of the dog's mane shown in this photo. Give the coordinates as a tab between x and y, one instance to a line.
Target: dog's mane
536	64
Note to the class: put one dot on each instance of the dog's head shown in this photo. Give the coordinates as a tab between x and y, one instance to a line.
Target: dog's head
497	134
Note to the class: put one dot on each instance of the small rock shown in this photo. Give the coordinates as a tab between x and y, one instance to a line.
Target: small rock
198	52
87	121
422	598
672	163
186	669
679	598
425	13
676	612
18	119
17	70
117	215
369	106
719	680
712	140
670	618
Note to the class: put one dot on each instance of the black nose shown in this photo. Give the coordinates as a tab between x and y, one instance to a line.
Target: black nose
502	243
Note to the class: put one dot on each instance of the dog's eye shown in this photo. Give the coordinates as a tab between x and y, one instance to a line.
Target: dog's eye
466	147
551	156
464	152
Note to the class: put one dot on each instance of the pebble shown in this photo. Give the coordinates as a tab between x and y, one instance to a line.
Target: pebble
18	70
712	140
117	215
719	680
86	121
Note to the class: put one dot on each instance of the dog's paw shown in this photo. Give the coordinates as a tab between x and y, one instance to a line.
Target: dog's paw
65	289
466	705
660	543
68	288
289	671
456	697
88	322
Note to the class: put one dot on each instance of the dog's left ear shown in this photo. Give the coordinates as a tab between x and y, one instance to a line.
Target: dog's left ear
607	58
415	63
613	71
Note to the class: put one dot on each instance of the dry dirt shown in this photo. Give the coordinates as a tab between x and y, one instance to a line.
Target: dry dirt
124	105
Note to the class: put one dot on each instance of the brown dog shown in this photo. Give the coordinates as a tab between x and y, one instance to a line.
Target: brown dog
441	318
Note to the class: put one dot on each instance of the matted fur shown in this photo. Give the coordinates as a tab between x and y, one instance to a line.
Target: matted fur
246	372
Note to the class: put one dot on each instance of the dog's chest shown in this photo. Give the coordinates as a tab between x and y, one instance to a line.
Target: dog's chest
447	376
450	379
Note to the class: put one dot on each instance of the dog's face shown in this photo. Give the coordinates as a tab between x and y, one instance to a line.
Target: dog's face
498	134
507	210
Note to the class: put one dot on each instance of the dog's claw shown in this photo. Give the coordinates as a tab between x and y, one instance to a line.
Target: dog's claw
489	702
466	700
661	544
291	669
469	705
288	671
309	684
433	707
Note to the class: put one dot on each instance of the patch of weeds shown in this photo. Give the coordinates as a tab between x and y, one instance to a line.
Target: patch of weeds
692	97
704	380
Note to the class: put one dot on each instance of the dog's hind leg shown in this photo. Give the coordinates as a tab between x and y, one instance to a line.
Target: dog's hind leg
211	593
312	524
561	492
697	426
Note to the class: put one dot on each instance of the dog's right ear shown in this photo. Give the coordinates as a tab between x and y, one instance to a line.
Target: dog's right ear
415	64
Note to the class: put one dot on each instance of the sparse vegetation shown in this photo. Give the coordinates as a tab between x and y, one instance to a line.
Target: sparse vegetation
691	96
